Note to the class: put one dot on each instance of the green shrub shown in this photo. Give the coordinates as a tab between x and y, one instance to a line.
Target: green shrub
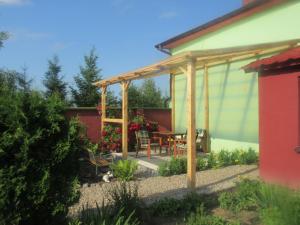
124	169
174	207
224	158
103	215
248	157
124	196
165	207
235	157
201	163
278	205
174	167
201	218
163	169
211	160
243	198
39	150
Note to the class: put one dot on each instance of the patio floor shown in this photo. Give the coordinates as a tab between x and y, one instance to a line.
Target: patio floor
152	163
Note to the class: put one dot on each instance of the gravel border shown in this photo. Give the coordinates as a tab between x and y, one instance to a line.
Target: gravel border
156	187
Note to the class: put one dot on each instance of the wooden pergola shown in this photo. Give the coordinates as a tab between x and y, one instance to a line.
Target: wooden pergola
185	63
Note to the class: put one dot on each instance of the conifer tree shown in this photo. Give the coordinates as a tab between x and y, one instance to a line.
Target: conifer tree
85	93
54	81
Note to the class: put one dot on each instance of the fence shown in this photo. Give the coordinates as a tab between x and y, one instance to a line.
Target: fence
91	119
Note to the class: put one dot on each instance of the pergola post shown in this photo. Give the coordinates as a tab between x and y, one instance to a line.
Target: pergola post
125	85
103	106
191	125
172	77
206	109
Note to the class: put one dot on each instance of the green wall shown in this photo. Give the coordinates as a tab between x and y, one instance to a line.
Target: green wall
233	95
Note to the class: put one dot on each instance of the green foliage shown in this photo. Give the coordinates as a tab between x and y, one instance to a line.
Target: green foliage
243	198
165	207
174	167
39	152
212	160
175	207
103	215
124	169
224	158
53	82
124	196
248	157
278	205
85	93
12	81
201	218
147	95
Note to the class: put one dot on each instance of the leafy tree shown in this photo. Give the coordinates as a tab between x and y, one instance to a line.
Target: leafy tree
39	152
53	81
85	93
3	36
151	95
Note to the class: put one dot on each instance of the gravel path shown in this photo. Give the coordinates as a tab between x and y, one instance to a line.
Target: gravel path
153	188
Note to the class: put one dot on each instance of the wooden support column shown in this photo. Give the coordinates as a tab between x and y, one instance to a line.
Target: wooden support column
191	125
172	77
125	85
103	106
206	109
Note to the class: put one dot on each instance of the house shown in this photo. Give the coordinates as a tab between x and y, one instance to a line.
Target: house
233	96
209	88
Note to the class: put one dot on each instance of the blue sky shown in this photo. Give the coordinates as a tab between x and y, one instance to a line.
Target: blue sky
123	32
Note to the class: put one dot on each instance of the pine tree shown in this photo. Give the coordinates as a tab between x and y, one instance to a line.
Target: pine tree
53	81
86	94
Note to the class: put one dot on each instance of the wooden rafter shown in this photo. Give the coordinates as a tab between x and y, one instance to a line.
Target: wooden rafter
208	57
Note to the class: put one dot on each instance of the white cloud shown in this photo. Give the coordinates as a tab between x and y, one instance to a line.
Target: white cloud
14	2
168	15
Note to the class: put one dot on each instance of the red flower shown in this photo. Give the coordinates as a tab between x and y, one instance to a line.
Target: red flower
104	133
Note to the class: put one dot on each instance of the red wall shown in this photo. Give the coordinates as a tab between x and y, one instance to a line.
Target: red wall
279	127
91	119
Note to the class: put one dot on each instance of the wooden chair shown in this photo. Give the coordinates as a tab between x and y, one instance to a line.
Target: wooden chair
145	142
97	161
180	145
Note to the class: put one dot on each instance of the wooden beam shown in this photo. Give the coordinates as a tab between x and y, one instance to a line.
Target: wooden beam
172	79
191	125
125	85
103	106
206	109
112	120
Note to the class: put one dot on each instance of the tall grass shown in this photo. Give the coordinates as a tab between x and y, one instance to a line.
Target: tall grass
278	205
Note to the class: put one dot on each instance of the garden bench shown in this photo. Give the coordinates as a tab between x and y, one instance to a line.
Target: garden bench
98	161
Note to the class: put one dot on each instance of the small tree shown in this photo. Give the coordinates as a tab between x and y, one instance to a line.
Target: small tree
134	97
53	81
85	93
151	95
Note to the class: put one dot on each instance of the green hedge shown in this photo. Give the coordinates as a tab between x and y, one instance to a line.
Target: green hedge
39	152
213	160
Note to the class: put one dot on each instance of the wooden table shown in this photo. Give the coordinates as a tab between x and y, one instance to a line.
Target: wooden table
169	136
